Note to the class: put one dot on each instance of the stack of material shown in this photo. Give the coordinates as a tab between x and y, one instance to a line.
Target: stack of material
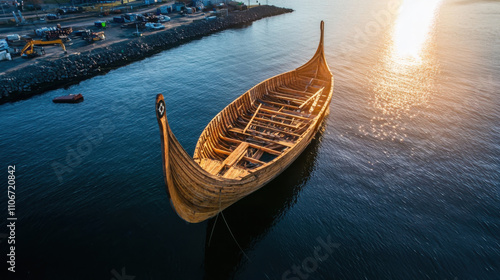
54	33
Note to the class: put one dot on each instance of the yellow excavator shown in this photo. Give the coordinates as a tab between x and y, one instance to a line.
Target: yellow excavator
91	37
29	50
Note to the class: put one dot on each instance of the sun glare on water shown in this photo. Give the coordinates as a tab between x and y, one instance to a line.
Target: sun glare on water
404	79
413	27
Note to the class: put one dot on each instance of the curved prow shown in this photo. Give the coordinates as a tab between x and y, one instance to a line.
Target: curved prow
320	51
317	64
161	116
172	150
183	176
321	48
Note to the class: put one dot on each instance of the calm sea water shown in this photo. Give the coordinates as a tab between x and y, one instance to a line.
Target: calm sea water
402	182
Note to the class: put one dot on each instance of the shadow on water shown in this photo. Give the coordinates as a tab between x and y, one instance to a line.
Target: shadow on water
252	217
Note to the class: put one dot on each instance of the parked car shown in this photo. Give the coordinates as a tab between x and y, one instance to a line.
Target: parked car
119	19
155	26
80	32
129	17
51	16
163	18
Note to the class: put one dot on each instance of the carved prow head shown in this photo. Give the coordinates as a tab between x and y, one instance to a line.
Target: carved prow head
161	116
160	107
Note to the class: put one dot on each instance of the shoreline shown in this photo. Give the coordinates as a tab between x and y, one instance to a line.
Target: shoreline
44	75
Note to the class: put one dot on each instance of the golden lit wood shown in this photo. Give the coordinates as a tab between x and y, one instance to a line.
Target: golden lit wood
250	122
249	142
311	98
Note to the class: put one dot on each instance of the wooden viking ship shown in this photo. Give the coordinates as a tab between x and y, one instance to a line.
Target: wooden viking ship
249	142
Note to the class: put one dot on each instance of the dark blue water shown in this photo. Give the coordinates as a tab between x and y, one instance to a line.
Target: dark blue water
402	182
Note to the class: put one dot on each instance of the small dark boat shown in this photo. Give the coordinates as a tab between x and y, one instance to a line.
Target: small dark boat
72	98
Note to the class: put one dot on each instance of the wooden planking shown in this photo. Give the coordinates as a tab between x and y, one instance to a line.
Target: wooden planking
210	165
280	142
312	97
250	122
296	113
309	79
269	133
258	154
286	97
277	118
293	91
236	155
214	168
235	172
249	159
233	157
267	150
280	104
294	123
283	113
265	124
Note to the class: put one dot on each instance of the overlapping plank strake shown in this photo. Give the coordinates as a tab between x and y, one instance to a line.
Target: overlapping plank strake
249	142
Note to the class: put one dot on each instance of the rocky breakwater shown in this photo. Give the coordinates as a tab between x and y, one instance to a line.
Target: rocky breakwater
50	74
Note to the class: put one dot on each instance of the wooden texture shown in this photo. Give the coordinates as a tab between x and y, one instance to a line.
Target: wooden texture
249	142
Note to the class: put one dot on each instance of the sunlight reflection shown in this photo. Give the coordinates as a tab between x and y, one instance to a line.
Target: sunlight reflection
413	27
405	77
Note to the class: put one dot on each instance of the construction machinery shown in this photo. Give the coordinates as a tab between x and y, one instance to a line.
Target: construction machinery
29	50
91	37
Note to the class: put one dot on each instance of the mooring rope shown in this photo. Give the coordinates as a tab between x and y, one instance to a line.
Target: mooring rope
227	225
210	239
222	214
216	217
